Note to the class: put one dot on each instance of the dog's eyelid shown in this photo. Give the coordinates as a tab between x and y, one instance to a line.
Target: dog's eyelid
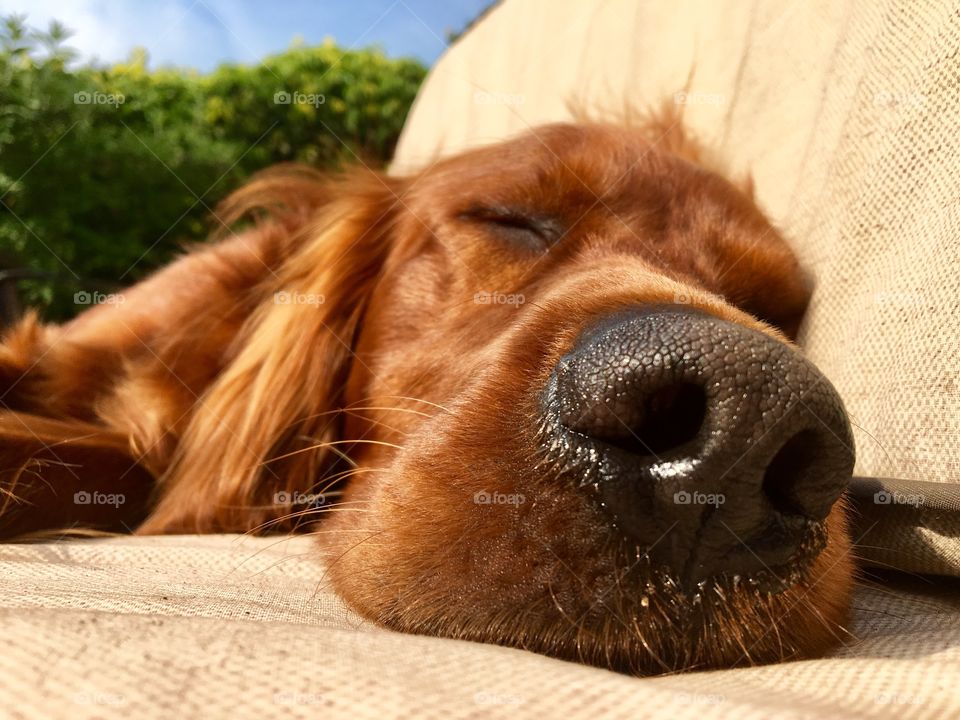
514	223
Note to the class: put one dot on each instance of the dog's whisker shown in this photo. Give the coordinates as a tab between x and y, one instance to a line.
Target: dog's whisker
305	513
407	397
900	596
343	456
332	480
829	626
388	408
378	423
280	561
866	562
331	444
245	537
861	428
351	408
340	557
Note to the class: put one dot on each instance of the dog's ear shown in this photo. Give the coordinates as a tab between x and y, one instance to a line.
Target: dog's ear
58	475
266	424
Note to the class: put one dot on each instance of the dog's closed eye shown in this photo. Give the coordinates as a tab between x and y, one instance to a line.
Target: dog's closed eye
517	228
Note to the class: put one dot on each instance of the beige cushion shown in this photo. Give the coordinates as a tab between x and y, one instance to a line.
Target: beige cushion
847	114
229	626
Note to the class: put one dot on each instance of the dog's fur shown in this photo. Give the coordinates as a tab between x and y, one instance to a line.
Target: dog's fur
385	341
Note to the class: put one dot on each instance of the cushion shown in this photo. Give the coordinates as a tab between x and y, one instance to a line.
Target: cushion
240	627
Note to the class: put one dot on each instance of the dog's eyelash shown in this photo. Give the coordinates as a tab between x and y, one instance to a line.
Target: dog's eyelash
515	227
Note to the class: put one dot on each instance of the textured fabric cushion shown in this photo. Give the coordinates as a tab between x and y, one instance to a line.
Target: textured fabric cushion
229	626
847	114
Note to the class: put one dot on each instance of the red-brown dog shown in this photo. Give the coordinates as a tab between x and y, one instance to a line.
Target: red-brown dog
549	382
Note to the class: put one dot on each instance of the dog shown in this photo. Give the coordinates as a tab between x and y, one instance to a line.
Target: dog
543	394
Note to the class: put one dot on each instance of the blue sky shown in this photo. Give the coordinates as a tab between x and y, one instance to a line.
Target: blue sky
204	33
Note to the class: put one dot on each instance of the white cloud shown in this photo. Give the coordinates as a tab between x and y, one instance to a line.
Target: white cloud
176	31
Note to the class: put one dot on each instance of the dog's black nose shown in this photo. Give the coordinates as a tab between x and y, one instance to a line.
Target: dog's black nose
716	448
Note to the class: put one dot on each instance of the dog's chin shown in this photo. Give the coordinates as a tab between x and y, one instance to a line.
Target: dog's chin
542	575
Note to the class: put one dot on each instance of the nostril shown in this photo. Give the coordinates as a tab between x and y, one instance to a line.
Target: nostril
788	481
668	417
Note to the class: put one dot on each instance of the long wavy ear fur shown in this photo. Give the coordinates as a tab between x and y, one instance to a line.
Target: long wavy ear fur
265	424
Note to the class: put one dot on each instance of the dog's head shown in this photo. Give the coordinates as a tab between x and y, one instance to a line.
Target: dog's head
558	373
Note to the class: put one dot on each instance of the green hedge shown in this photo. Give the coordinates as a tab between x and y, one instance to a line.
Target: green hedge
106	172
